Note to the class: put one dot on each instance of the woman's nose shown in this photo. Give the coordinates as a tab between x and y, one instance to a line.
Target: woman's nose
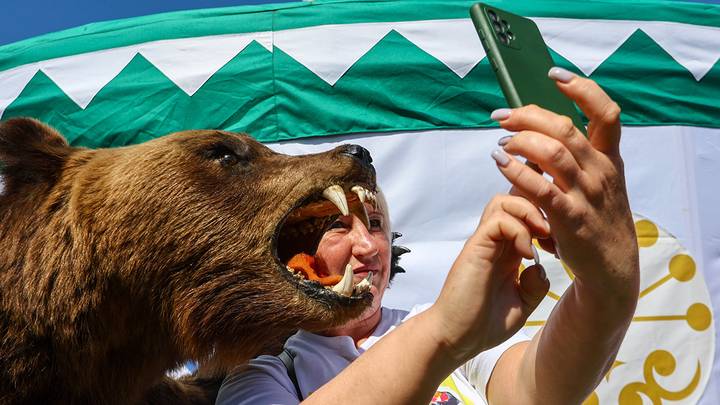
363	242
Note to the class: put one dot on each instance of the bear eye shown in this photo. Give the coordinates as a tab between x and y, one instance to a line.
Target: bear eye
223	155
228	159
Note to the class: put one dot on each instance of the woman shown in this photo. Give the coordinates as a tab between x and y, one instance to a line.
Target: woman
483	302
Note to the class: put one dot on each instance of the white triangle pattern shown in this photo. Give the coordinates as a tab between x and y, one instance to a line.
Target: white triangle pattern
330	51
190	62
570	38
82	76
12	83
696	47
458	47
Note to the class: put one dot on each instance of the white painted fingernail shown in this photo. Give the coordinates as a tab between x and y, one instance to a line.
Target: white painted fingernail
536	255
500	157
504	140
561	75
543	275
547	225
500	114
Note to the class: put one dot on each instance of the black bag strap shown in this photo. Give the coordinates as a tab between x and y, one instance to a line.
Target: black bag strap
288	359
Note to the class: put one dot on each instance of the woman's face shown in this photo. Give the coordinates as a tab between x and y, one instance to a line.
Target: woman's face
366	250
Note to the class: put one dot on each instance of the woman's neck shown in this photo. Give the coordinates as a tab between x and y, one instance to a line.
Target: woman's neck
358	329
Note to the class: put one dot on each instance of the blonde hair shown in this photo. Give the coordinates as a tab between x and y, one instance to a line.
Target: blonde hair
382	206
395	251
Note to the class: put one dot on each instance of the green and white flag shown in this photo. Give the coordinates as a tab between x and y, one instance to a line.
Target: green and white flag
409	81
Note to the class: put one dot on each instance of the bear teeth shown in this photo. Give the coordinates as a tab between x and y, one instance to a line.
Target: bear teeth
365	195
359	210
336	195
345	286
364	284
361	192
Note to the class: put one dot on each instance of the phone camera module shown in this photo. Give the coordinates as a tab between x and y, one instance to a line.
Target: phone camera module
510	35
493	16
504	38
497	27
505	25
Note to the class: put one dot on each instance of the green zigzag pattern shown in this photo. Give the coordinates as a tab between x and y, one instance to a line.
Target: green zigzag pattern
274	98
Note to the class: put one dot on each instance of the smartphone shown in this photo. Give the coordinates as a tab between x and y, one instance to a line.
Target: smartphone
521	61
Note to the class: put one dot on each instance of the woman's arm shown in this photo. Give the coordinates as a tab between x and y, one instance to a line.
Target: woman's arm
482	303
587	207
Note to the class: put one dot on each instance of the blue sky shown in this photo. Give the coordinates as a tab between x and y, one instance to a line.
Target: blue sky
21	19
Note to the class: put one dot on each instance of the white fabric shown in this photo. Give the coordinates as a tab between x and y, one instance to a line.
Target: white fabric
320	358
569	38
12	83
458	47
189	63
330	50
687	44
96	70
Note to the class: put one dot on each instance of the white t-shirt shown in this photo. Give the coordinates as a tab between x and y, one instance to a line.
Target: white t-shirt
318	359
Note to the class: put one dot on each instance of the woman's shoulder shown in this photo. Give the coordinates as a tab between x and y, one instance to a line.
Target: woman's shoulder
392	317
402	315
263	378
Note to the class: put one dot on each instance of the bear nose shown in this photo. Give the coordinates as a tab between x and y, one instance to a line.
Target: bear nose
358	152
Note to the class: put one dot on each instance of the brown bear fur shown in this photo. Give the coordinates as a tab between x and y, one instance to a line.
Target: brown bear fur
119	264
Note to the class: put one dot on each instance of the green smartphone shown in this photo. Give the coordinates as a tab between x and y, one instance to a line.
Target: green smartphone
521	61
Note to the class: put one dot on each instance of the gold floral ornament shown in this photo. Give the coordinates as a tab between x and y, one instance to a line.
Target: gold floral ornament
668	351
663	363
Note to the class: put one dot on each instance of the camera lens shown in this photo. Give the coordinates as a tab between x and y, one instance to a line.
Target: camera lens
497	27
505	25
492	15
504	38
510	35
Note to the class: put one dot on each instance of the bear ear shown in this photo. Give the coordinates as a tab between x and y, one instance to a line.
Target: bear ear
30	152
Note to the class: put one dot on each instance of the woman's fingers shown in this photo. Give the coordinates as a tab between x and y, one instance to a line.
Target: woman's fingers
503	227
534	285
521	209
558	127
531	185
547	244
549	154
603	112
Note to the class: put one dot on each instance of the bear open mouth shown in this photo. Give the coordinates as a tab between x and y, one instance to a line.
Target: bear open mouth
299	235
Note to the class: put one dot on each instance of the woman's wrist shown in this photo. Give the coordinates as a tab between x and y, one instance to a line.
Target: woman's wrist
614	296
452	344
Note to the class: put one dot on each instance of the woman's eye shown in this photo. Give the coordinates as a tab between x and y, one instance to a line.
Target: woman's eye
375	224
337	225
